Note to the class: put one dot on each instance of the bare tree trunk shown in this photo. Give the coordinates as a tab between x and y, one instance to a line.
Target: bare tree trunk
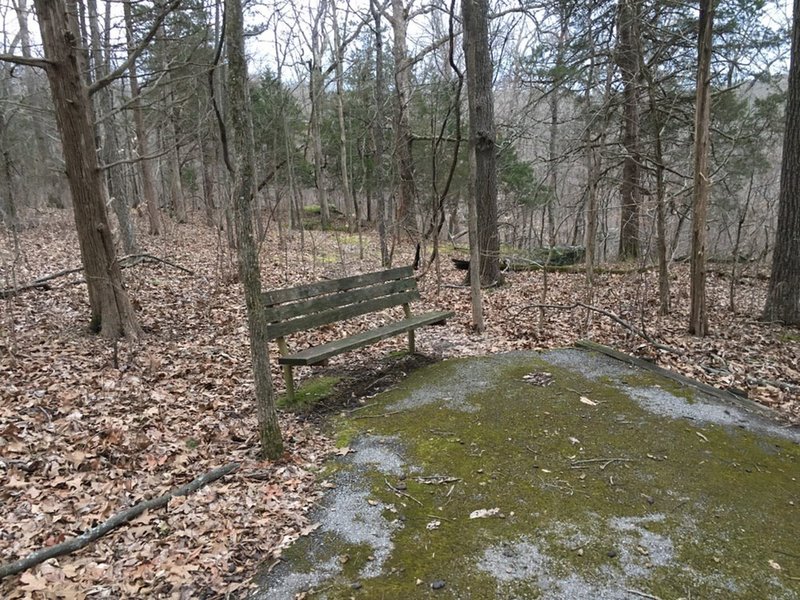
404	160
630	191
107	134
41	167
148	187
349	201
377	136
111	310
783	295
317	87
661	217
243	196
698	317
482	136
173	152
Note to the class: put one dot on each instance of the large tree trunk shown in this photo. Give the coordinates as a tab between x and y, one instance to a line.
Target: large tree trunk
404	158
482	136
111	310
783	296
628	60
244	187
145	171
698	317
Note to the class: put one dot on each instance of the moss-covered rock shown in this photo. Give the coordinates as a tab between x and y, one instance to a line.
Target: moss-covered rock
594	480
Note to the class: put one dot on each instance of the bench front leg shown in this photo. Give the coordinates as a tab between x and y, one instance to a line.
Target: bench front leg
412	347
287	369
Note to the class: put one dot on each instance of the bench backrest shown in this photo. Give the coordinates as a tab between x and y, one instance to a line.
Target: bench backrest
304	307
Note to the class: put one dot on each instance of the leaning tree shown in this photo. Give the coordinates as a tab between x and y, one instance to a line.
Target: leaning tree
112	314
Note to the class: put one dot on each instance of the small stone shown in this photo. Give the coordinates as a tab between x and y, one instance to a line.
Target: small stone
356	586
401	485
612	553
418	582
370	558
438	584
580	551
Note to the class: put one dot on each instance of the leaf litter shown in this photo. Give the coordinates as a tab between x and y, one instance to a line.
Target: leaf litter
89	427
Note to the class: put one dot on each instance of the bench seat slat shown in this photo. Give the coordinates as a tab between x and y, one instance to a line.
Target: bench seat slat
318	354
319	288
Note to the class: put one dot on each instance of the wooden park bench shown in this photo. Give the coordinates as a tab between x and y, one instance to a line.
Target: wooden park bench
313	305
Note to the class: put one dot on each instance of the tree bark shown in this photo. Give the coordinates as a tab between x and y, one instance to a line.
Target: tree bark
349	201
378	139
630	191
482	136
111	311
243	196
317	88
698	317
148	187
404	158
107	135
783	295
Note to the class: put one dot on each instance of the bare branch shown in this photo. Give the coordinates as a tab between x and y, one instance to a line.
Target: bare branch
40	63
117	520
135	52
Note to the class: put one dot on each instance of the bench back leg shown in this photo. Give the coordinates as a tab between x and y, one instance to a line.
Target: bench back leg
412	347
287	369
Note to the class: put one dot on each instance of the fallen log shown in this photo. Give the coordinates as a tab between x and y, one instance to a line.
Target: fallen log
95	533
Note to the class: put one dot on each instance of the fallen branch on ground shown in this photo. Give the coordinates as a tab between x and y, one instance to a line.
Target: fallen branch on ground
117	520
616	318
125	262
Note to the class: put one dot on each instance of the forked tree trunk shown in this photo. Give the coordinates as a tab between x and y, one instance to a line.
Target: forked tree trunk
698	317
783	296
243	196
111	311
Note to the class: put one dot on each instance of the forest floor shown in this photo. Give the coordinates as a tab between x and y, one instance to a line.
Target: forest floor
89	427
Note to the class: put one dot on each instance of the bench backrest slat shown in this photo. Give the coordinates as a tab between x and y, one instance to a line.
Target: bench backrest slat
319	288
309	306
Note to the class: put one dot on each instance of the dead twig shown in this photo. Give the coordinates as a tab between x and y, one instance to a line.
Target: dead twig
642	594
401	492
616	318
117	520
582	464
387	414
124	263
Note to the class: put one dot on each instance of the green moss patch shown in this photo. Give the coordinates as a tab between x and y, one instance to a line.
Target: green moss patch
309	394
513	477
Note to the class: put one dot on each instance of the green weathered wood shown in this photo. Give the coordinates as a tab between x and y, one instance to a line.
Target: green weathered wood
319	288
334	315
307	307
317	354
